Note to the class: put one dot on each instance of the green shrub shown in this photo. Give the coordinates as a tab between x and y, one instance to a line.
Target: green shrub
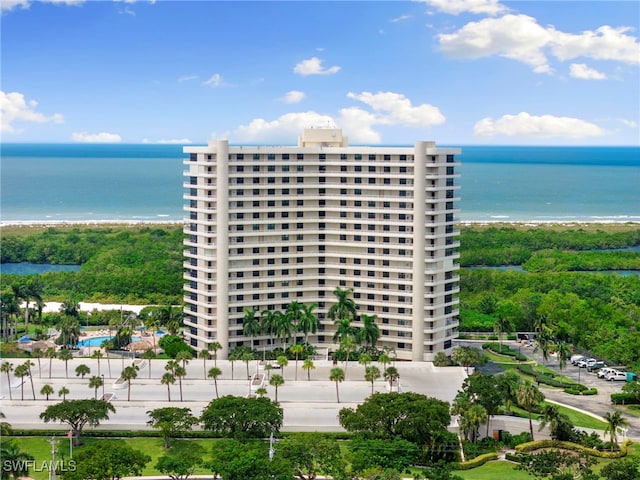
624	399
476	462
538	444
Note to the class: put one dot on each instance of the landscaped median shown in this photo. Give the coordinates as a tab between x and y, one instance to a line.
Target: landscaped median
540	444
476	462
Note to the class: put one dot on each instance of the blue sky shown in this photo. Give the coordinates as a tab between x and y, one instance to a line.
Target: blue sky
458	72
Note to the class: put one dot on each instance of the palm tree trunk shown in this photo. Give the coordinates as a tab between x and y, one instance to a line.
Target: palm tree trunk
50	361
530	425
215	382
337	393
129	391
168	392
180	381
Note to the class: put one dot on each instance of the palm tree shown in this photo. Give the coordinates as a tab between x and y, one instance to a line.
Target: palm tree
28	364
501	325
151	323
180	372
284	327
384	360
204	355
215	346
168	379
295	312
107	345
149	355
21	371
348	345
46	390
344	330
184	356
371	374
337	375
283	362
37	353
391	374
296	349
364	360
276	381
308	366
563	350
82	370
344	308
369	334
543	340
471	420
232	358
9	308
69	331
50	353
214	373
529	397
65	355
308	322
614	421
97	355
246	358
95	382
15	462
261	392
269	322
7	368
63	392
33	289
128	374
250	323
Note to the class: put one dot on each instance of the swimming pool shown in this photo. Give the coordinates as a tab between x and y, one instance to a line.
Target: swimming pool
97	341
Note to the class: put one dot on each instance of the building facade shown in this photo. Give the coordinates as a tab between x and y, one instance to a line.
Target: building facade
269	225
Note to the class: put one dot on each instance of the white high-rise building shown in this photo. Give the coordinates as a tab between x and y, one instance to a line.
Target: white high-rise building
269	225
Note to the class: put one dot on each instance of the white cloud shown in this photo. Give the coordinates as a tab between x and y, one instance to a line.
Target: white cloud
629	123
456	7
401	18
186	78
293	96
13	107
313	66
396	109
8	5
176	141
214	81
606	43
357	123
517	37
102	137
521	38
530	126
580	70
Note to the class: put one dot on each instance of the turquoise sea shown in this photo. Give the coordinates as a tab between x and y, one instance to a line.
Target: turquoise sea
80	182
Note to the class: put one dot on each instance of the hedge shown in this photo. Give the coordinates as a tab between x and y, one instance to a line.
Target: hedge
538	444
578	391
505	350
476	462
624	399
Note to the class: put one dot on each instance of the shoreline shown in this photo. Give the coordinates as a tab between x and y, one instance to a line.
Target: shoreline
140	223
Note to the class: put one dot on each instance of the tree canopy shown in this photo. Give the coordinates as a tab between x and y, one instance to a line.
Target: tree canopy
78	413
107	460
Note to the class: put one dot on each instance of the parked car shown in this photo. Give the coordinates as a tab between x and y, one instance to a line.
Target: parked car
575	359
616	376
585	362
602	373
592	367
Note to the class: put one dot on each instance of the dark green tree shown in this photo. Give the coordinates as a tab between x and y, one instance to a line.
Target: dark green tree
78	413
311	454
171	421
107	460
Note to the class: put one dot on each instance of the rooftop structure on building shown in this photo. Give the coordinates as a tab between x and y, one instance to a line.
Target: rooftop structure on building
267	226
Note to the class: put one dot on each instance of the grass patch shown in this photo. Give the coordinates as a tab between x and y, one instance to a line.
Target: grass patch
493	470
579	419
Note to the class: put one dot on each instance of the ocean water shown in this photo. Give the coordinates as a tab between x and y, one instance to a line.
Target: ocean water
77	182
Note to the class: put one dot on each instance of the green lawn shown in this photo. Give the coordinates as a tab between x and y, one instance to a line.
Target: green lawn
494	470
579	419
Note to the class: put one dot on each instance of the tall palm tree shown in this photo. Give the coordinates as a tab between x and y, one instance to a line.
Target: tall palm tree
614	420
7	367
214	347
276	381
344	307
308	322
128	374
283	362
149	355
471	420
246	358
296	349
344	330
529	397
50	353
295	312
250	323
348	346
46	390
284	329
184	356
82	370
214	373
308	366
69	331
384	360
204	355
168	379
336	375
37	353
180	372
369	334
97	355
65	355
269	322
107	345
95	382
391	375
371	374
9	307
501	325
32	289
563	350
151	323
21	371
28	364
